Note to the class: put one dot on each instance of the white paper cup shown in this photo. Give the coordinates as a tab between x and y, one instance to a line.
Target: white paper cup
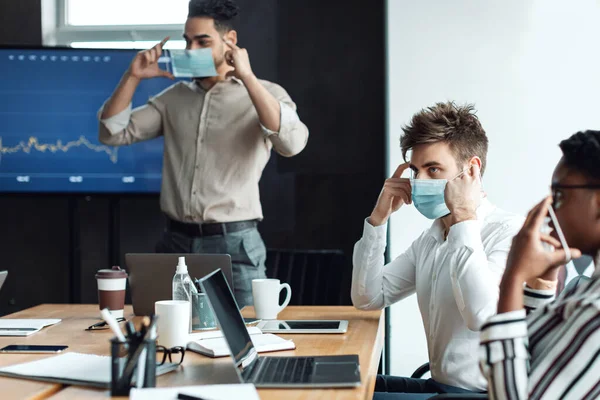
111	290
173	322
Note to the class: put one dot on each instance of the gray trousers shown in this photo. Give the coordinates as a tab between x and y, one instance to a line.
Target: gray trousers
246	247
389	387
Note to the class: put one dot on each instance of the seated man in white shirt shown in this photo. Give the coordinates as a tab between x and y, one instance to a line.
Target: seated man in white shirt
455	266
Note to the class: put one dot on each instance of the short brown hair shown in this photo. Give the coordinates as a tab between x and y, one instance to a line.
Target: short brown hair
446	122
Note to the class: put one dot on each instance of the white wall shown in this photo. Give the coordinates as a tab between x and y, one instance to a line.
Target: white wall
532	68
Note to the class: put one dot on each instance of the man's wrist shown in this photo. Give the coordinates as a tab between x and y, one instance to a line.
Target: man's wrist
249	78
376	221
128	77
461	216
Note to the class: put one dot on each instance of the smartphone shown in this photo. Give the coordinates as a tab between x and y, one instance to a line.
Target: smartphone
32	348
561	237
251	321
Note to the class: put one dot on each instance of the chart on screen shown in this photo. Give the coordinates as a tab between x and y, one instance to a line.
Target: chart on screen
49	132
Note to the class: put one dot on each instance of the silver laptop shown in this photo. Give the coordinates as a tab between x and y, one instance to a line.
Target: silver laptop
273	372
151	275
3	275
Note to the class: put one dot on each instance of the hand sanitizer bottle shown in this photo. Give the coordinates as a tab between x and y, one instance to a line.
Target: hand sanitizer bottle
183	288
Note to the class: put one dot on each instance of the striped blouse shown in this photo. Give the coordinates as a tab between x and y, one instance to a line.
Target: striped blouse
550	353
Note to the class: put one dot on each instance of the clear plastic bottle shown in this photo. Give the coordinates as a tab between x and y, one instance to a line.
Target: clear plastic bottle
182	283
183	287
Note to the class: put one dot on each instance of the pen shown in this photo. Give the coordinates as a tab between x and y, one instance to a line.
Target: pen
152	328
141	363
182	396
130	328
114	325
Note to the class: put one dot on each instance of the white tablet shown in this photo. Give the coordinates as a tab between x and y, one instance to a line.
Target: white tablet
303	326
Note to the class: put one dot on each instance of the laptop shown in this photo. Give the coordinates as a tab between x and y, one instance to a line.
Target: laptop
151	275
273	372
3	275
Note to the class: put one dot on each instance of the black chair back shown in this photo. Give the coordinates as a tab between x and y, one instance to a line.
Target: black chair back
317	277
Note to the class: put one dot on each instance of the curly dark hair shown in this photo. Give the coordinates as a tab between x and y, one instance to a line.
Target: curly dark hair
447	122
581	152
223	12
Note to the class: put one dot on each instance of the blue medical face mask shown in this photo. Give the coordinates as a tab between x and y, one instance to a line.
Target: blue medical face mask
197	63
428	196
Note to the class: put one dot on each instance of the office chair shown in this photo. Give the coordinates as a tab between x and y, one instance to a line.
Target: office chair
315	276
423	369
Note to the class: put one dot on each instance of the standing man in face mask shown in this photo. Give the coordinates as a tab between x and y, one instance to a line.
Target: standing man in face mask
455	266
219	131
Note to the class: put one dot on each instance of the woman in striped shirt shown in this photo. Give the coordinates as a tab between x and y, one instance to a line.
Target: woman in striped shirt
553	351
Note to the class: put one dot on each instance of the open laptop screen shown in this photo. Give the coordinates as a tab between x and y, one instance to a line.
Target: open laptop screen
228	315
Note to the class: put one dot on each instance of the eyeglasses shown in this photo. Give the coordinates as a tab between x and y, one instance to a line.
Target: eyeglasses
558	195
98	326
167	353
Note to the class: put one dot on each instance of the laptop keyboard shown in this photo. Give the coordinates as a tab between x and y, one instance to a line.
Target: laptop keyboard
285	370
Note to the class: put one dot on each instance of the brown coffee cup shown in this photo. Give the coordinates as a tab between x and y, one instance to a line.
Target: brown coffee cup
111	290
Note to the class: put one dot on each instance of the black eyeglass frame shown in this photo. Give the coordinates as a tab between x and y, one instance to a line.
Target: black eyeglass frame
555	188
167	353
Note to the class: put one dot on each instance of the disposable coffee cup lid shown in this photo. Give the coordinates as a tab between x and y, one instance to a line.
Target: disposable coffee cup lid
115	273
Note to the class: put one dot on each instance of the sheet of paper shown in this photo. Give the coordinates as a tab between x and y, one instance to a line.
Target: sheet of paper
207	392
23	327
27	323
72	366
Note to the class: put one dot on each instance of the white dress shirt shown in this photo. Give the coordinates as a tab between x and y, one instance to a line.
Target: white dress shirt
456	281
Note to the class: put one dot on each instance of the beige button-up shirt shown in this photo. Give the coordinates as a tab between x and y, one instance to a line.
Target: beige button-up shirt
215	147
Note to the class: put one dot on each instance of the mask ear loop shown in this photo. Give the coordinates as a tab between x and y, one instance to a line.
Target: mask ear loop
465	171
461	173
560	234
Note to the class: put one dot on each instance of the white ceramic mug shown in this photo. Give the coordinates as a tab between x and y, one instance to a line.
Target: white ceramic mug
266	297
173	322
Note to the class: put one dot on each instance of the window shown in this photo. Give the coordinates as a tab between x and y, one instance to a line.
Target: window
129	12
140	44
113	23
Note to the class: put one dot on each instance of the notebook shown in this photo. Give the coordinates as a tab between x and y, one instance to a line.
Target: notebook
209	392
72	369
213	344
216	333
24	327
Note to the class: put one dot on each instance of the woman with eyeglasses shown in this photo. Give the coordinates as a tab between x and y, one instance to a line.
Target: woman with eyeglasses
539	347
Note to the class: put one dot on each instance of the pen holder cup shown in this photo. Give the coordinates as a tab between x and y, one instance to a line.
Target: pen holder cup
123	366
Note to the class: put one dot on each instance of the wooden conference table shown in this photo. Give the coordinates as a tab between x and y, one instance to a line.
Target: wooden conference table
364	337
